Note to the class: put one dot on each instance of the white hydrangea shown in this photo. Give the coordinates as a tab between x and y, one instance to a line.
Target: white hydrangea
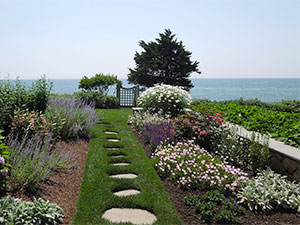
170	99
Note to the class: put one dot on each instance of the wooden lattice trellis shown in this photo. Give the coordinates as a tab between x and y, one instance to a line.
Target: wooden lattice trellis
127	96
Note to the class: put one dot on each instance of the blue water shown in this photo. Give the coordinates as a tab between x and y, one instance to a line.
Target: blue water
267	90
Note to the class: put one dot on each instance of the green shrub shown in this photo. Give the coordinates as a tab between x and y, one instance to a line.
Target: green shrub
14	211
17	95
165	99
99	100
269	191
30	124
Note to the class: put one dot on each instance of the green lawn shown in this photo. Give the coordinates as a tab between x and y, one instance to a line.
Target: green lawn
96	193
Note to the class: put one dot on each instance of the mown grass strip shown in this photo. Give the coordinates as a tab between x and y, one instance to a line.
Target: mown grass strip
96	193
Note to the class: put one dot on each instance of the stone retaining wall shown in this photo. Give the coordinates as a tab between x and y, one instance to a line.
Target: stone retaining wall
285	165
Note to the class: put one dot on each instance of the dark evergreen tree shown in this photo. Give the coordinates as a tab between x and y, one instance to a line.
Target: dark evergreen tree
163	61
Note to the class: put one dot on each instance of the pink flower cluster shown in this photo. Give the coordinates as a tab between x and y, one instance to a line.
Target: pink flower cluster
191	166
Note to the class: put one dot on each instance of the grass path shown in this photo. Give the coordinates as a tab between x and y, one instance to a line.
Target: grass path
96	193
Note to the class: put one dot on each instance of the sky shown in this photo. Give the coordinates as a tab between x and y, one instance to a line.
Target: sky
69	39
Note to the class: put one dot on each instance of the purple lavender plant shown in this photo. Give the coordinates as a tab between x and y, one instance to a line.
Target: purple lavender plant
32	159
73	117
157	133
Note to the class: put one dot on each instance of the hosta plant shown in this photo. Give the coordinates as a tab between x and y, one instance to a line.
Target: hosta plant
269	191
168	99
193	167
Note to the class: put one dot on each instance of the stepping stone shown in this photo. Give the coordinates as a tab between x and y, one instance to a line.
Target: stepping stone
117	156
113	148
120	164
126	215
113	140
124	176
128	192
110	132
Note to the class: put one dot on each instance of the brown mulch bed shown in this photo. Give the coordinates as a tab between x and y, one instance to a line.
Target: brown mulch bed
62	187
188	215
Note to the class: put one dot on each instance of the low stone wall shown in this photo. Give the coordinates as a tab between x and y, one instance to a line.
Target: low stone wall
286	165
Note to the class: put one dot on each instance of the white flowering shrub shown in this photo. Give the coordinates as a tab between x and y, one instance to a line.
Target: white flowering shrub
168	99
269	191
193	167
139	119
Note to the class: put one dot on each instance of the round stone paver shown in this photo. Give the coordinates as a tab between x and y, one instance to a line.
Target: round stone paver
110	132
120	164
113	148
113	140
128	192
135	216
124	176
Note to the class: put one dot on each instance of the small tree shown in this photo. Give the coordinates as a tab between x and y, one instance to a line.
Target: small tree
99	82
163	61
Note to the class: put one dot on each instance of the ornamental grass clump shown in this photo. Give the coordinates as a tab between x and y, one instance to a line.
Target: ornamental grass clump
269	191
168	99
74	117
193	167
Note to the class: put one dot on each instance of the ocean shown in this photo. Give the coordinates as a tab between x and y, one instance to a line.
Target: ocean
267	90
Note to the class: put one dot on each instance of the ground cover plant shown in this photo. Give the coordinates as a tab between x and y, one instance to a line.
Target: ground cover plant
283	126
192	167
96	194
214	206
14	211
269	191
291	106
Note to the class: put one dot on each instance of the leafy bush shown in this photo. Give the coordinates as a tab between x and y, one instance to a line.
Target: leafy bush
4	166
99	83
139	119
269	191
73	117
99	100
32	160
282	126
17	95
250	153
158	133
14	211
196	126
168	99
192	167
207	207
30	124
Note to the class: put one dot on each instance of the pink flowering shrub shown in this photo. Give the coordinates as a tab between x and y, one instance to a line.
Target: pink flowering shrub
29	123
193	167
198	127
